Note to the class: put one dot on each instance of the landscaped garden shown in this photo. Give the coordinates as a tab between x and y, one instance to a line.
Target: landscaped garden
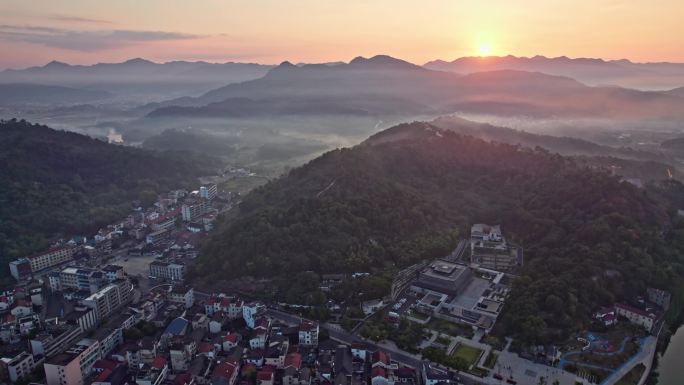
470	355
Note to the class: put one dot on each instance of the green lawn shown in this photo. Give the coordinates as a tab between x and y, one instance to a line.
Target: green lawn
468	353
450	328
491	360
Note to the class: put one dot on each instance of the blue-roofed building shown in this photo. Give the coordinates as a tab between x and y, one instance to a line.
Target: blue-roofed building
177	327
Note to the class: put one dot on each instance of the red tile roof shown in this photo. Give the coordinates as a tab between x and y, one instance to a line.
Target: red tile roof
231	338
105	364
378	371
205	347
158	362
102	377
380	356
182	379
264	375
225	369
293	359
22	302
307	326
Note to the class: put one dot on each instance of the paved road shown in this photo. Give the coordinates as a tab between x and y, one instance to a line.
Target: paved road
402	357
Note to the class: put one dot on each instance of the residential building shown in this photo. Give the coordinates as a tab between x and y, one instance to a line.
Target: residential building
74	365
155	237
19	366
166	270
51	257
54	340
226	372
154	373
208	191
81	279
251	311
194	209
20	269
645	318
109	299
182	294
308	333
659	297
114	272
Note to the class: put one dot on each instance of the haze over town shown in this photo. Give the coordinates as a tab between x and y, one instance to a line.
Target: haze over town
341	193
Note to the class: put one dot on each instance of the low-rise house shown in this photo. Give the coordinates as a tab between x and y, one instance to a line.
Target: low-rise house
230	341
21	308
293	376
183	295
225	373
251	312
406	376
606	315
265	376
308	333
152	374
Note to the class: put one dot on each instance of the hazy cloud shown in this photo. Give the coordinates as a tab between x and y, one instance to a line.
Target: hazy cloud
78	19
85	40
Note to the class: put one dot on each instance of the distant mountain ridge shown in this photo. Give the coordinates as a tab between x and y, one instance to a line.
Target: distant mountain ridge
501	92
587	70
140	78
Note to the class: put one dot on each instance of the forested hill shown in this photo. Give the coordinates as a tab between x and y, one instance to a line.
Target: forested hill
56	182
400	197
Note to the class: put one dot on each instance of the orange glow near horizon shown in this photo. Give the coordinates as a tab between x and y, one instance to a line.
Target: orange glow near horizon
270	31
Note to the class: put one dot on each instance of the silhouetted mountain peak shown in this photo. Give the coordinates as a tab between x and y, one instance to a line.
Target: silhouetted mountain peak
56	64
383	61
138	61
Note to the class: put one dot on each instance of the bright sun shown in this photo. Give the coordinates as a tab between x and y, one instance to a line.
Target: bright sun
485	49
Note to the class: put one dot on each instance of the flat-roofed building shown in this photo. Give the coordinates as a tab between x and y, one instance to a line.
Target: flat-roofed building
442	277
51	257
74	365
19	366
166	270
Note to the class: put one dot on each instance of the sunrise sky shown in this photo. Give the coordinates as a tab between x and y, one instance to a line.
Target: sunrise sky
270	31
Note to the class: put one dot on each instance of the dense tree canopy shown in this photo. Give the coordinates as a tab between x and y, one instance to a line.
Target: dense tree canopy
404	195
57	183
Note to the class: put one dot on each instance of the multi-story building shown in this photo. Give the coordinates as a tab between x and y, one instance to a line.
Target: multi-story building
642	317
110	298
20	269
166	222
156	236
166	270
194	209
208	191
81	279
72	366
114	272
489	249
659	297
54	340
183	295
308	333
51	257
108	339
252	311
19	366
